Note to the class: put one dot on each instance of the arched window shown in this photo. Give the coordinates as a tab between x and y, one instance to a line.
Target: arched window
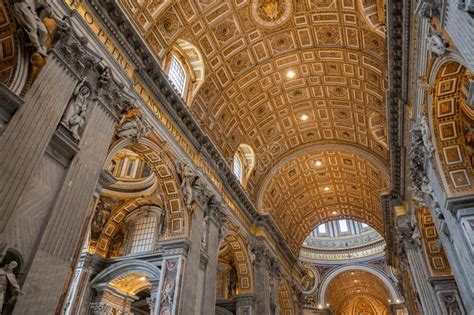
143	229
244	161
185	68
143	237
238	168
177	75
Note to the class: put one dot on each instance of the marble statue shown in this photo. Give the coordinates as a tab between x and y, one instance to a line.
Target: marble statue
8	283
187	174
426	136
436	44
132	126
75	115
31	21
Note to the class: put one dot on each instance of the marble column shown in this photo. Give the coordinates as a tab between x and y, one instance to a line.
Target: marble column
29	132
59	238
266	278
412	258
454	224
155	285
216	223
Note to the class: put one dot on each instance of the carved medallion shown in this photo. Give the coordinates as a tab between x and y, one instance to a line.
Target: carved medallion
271	13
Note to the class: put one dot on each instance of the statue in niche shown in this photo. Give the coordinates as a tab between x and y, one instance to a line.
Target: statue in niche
204	236
188	176
102	214
75	115
436	44
8	284
132	126
30	15
426	136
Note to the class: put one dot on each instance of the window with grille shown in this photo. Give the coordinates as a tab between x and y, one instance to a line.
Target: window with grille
343	226
143	234
238	168
322	229
177	75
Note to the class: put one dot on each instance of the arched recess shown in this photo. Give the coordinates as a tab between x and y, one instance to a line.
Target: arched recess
434	253
239	252
451	122
246	158
116	221
321	184
131	276
394	295
128	267
285	298
160	161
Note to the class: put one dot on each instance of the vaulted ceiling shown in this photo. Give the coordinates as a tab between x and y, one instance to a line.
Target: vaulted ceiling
353	292
284	77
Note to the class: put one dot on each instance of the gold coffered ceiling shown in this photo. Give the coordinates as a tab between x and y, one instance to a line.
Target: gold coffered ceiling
357	290
322	185
336	50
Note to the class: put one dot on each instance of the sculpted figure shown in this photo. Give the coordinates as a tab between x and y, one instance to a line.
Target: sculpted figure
8	283
187	174
29	14
425	133
132	126
75	114
436	44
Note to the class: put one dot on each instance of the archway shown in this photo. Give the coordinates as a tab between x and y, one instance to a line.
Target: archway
321	184
451	121
160	161
387	282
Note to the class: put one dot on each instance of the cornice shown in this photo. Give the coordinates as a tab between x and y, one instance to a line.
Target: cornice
149	71
398	26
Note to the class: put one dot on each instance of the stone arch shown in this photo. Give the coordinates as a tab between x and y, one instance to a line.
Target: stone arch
128	267
340	181
160	161
131	276
117	219
448	118
239	252
394	295
285	298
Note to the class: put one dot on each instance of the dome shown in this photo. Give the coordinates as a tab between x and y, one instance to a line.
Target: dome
342	240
